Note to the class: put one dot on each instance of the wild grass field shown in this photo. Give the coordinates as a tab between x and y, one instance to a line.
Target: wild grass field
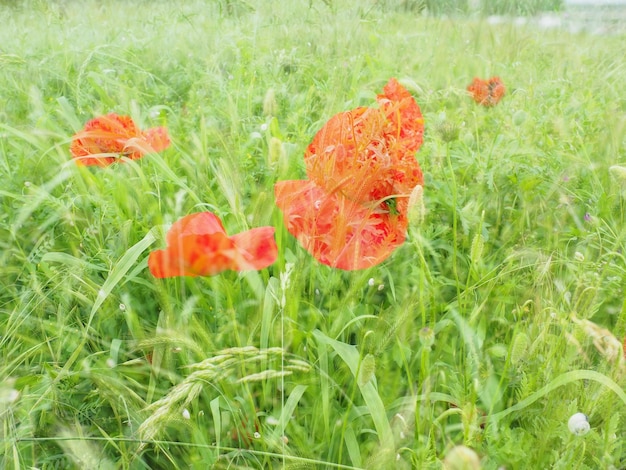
500	317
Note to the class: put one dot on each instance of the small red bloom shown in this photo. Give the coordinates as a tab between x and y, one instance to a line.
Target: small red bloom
351	213
197	245
105	139
487	92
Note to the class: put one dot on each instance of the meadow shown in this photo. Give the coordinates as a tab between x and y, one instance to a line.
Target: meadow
501	316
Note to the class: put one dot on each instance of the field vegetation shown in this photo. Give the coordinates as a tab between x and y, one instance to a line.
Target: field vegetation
500	317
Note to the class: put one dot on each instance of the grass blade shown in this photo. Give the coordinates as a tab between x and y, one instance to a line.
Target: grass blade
351	357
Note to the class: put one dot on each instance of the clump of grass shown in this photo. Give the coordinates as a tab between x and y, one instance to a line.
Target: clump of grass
210	372
500	317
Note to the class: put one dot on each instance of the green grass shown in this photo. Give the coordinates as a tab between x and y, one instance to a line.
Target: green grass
496	321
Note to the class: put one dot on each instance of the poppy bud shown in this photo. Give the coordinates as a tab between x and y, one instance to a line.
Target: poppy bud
461	458
448	131
519	117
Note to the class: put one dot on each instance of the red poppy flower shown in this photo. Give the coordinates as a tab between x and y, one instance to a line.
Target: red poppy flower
197	245
352	212
105	139
487	92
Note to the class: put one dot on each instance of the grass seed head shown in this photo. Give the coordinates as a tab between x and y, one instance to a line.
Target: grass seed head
417	210
270	105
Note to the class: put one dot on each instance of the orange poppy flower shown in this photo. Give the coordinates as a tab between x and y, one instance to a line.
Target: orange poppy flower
352	212
197	245
337	231
105	139
487	92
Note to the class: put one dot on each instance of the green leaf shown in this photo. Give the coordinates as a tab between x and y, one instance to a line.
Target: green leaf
288	410
352	445
561	380
121	268
375	406
269	304
217	420
70	261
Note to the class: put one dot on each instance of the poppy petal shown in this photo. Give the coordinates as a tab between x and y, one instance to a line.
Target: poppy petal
96	147
337	231
369	154
162	263
347	153
106	139
200	223
157	138
405	117
256	248
197	245
194	255
487	92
